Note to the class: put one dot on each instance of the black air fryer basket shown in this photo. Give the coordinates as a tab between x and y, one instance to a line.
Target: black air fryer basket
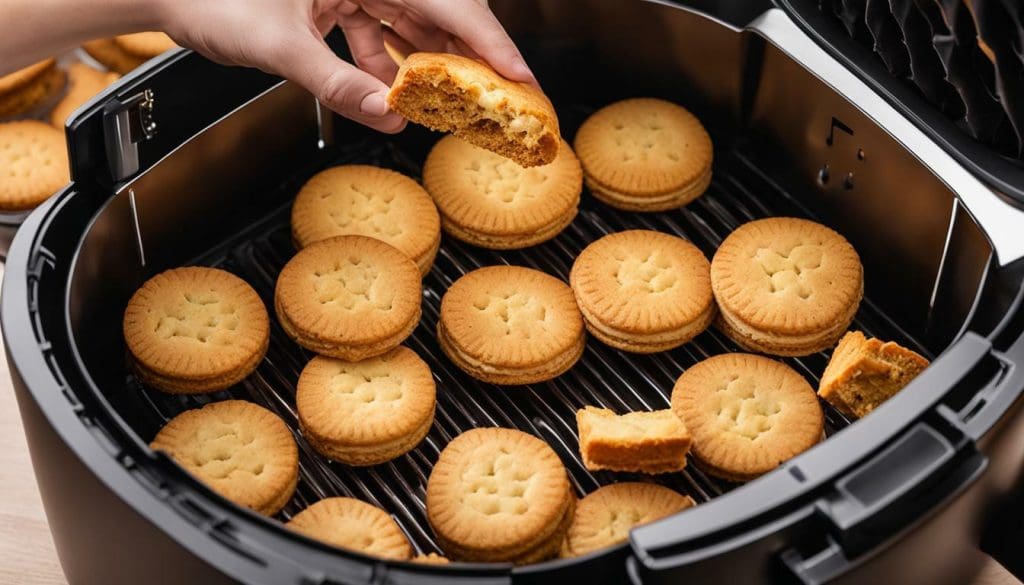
186	162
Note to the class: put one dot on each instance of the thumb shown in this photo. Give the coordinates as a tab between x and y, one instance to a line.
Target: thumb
346	89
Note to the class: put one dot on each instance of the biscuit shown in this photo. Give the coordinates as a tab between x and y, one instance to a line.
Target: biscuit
455	94
368	201
644	154
747	414
643	442
109	54
863	373
510	325
499	495
786	286
33	164
355	525
430	559
490	201
195	329
84	82
367	412
145	45
606	516
238	449
643	291
349	297
25	89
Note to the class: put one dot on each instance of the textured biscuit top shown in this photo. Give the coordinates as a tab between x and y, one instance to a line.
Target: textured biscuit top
606	516
787	275
33	164
487	192
241	450
496	488
367	402
195	323
84	82
642	281
643	146
353	524
354	287
510	316
747	413
367	201
22	77
145	45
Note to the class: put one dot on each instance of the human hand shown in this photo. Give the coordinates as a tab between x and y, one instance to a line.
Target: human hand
285	37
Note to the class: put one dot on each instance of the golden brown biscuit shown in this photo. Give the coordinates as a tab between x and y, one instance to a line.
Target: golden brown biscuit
644	154
33	164
644	442
643	291
747	414
786	286
84	82
29	88
606	516
366	412
492	202
355	525
368	201
510	325
499	495
349	297
863	373
195	329
109	54
455	94
430	559
238	449
145	45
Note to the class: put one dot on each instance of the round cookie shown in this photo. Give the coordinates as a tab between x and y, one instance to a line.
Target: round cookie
195	329
499	495
367	412
490	201
26	89
349	297
510	325
605	517
238	449
84	82
355	525
747	414
643	291
644	154
786	286
109	54
368	201
33	164
145	45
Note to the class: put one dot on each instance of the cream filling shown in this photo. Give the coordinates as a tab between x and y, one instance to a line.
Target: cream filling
786	339
490	101
487	368
657	337
618	196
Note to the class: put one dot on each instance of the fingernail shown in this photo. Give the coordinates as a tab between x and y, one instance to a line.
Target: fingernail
374	105
521	69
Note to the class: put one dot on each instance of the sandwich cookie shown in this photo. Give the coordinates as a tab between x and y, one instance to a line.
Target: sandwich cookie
366	412
786	286
195	329
355	525
26	89
644	154
747	414
349	297
643	291
368	201
510	325
605	517
490	201
240	450
109	54
33	164
451	93
499	495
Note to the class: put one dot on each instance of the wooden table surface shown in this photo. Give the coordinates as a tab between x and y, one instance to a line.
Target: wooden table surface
27	556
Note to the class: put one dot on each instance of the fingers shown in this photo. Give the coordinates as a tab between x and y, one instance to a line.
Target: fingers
478	28
366	42
344	88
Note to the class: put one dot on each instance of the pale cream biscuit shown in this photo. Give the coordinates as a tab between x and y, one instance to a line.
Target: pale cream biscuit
33	164
355	525
30	88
